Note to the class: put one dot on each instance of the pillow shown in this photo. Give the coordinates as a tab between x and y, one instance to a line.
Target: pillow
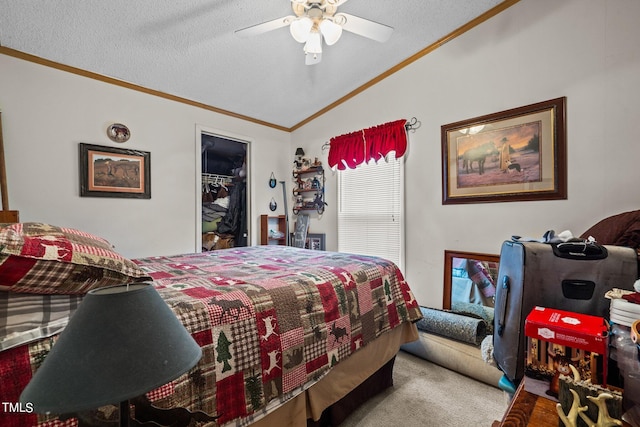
45	259
619	230
631	236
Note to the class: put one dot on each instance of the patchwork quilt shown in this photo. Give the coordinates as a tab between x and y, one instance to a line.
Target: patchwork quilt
271	320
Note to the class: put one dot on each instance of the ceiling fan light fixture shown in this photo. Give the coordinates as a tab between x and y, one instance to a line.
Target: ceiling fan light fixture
314	43
301	28
330	31
315	20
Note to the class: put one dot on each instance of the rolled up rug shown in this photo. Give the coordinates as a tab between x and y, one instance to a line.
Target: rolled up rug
475	310
451	325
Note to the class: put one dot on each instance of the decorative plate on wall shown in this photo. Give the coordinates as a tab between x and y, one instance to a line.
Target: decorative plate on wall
118	132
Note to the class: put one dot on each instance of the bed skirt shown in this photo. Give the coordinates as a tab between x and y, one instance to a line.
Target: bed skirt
374	362
378	382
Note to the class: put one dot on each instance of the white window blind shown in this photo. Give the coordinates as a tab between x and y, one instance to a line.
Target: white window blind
371	210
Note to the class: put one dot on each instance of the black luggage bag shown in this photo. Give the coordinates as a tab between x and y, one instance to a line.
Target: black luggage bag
571	276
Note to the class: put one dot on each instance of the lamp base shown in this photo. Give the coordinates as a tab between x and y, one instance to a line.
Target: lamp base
147	415
144	415
125	414
105	416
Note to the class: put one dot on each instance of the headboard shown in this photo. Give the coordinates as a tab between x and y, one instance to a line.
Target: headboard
6	215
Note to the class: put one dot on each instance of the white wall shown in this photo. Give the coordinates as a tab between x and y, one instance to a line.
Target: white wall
47	112
586	50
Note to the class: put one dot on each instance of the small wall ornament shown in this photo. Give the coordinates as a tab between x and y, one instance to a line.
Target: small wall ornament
117	132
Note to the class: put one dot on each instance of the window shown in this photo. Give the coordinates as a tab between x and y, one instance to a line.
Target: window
371	210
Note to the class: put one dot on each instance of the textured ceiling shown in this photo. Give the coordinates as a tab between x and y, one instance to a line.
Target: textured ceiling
188	49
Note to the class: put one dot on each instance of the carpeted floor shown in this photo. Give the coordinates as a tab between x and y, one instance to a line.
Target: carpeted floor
425	395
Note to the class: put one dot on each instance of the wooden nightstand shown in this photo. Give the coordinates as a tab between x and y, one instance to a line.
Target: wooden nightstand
530	410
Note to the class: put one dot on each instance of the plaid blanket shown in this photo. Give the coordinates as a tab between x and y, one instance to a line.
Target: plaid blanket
270	320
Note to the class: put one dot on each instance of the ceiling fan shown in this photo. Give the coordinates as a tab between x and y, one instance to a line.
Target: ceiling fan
318	20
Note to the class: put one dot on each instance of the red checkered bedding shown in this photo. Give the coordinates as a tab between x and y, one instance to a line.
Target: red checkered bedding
270	320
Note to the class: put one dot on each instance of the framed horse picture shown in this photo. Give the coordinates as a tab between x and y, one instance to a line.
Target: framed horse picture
114	172
512	155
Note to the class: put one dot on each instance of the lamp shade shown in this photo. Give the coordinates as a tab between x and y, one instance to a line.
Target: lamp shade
330	31
299	151
300	28
121	342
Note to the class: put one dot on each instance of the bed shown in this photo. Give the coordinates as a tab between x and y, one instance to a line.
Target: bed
289	336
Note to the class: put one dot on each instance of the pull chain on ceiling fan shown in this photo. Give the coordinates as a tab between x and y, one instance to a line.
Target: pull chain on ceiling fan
317	20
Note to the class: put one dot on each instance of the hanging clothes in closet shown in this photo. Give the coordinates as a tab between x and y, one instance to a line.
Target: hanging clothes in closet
224	222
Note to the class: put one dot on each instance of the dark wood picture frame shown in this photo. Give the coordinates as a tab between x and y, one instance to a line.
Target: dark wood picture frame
6	215
448	272
513	155
114	172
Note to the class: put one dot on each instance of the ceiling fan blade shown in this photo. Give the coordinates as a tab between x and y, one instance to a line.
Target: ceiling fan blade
364	27
312	58
264	27
337	3
332	3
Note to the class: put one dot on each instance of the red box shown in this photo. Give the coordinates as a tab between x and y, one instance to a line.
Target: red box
557	339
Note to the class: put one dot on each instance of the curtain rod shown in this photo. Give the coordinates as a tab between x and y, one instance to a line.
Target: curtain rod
412	124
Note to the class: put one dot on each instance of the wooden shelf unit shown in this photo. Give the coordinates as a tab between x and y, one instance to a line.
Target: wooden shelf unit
276	223
309	191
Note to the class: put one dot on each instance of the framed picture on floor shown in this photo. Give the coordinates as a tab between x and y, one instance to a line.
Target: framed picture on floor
314	241
469	278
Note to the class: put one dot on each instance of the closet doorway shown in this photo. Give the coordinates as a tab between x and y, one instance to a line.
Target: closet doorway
224	187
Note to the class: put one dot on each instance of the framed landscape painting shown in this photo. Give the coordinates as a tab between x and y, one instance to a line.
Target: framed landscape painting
114	172
512	155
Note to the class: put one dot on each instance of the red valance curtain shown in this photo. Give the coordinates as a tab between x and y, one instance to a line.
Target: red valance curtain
374	143
347	150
